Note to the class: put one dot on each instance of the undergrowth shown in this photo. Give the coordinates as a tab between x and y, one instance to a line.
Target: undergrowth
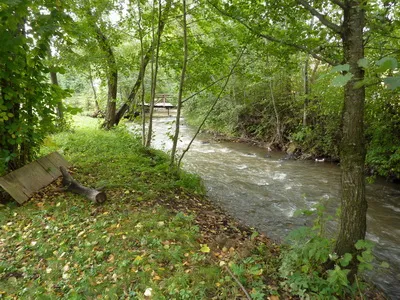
309	252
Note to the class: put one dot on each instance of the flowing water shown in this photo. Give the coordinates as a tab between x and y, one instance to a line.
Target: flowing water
264	191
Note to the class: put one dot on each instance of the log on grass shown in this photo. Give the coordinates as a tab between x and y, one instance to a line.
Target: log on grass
74	186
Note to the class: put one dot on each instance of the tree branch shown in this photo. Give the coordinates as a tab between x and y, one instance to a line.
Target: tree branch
337	29
274	39
206	88
74	186
339	3
212	107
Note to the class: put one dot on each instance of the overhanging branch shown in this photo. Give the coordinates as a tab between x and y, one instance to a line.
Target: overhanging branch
274	39
337	29
339	3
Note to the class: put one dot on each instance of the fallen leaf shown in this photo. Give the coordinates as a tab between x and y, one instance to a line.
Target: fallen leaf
147	292
204	248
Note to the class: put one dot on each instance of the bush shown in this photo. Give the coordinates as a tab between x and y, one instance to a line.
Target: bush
304	263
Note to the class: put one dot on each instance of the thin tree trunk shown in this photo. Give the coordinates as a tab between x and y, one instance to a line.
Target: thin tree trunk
211	108
306	91
124	108
96	103
60	108
179	106
352	158
54	80
142	83
112	78
154	71
278	124
26	153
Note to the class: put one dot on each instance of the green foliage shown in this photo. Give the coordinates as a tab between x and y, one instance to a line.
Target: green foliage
28	100
305	260
383	154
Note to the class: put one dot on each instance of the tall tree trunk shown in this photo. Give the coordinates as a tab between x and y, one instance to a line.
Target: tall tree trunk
352	156
278	123
306	91
54	80
154	72
183	74
112	85
26	153
124	108
142	83
96	103
60	108
112	78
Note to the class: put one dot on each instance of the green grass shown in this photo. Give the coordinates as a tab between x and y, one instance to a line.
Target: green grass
61	246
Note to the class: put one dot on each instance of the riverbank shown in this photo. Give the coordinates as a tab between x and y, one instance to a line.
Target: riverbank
291	150
156	236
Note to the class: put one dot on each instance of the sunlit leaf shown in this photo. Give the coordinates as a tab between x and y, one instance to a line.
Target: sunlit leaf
385	265
341	80
363	63
204	248
340	68
386	63
392	82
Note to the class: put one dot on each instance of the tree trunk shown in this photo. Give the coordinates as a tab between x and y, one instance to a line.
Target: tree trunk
278	123
142	83
306	91
96	103
54	80
112	78
352	156
183	74
60	108
154	77
111	99
124	108
73	186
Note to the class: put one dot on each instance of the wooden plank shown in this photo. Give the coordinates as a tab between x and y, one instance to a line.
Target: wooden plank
58	160
32	178
21	184
52	163
12	186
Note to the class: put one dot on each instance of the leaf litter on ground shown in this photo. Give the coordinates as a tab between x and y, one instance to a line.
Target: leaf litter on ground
158	236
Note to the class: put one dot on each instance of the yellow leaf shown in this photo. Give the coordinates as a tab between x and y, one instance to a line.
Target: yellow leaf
138	259
204	248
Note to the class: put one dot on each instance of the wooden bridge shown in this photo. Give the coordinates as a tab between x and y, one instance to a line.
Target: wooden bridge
160	101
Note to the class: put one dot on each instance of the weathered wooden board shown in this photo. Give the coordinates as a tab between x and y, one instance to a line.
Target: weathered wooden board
21	184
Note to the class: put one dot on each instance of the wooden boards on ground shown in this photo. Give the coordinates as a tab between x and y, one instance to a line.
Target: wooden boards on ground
22	183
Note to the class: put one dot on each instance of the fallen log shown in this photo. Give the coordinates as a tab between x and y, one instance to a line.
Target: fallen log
74	186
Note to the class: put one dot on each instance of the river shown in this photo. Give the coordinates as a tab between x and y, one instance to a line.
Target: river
265	191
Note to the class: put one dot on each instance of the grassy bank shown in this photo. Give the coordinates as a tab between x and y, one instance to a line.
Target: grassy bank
157	235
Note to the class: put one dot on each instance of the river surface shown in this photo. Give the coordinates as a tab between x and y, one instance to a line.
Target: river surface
265	191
